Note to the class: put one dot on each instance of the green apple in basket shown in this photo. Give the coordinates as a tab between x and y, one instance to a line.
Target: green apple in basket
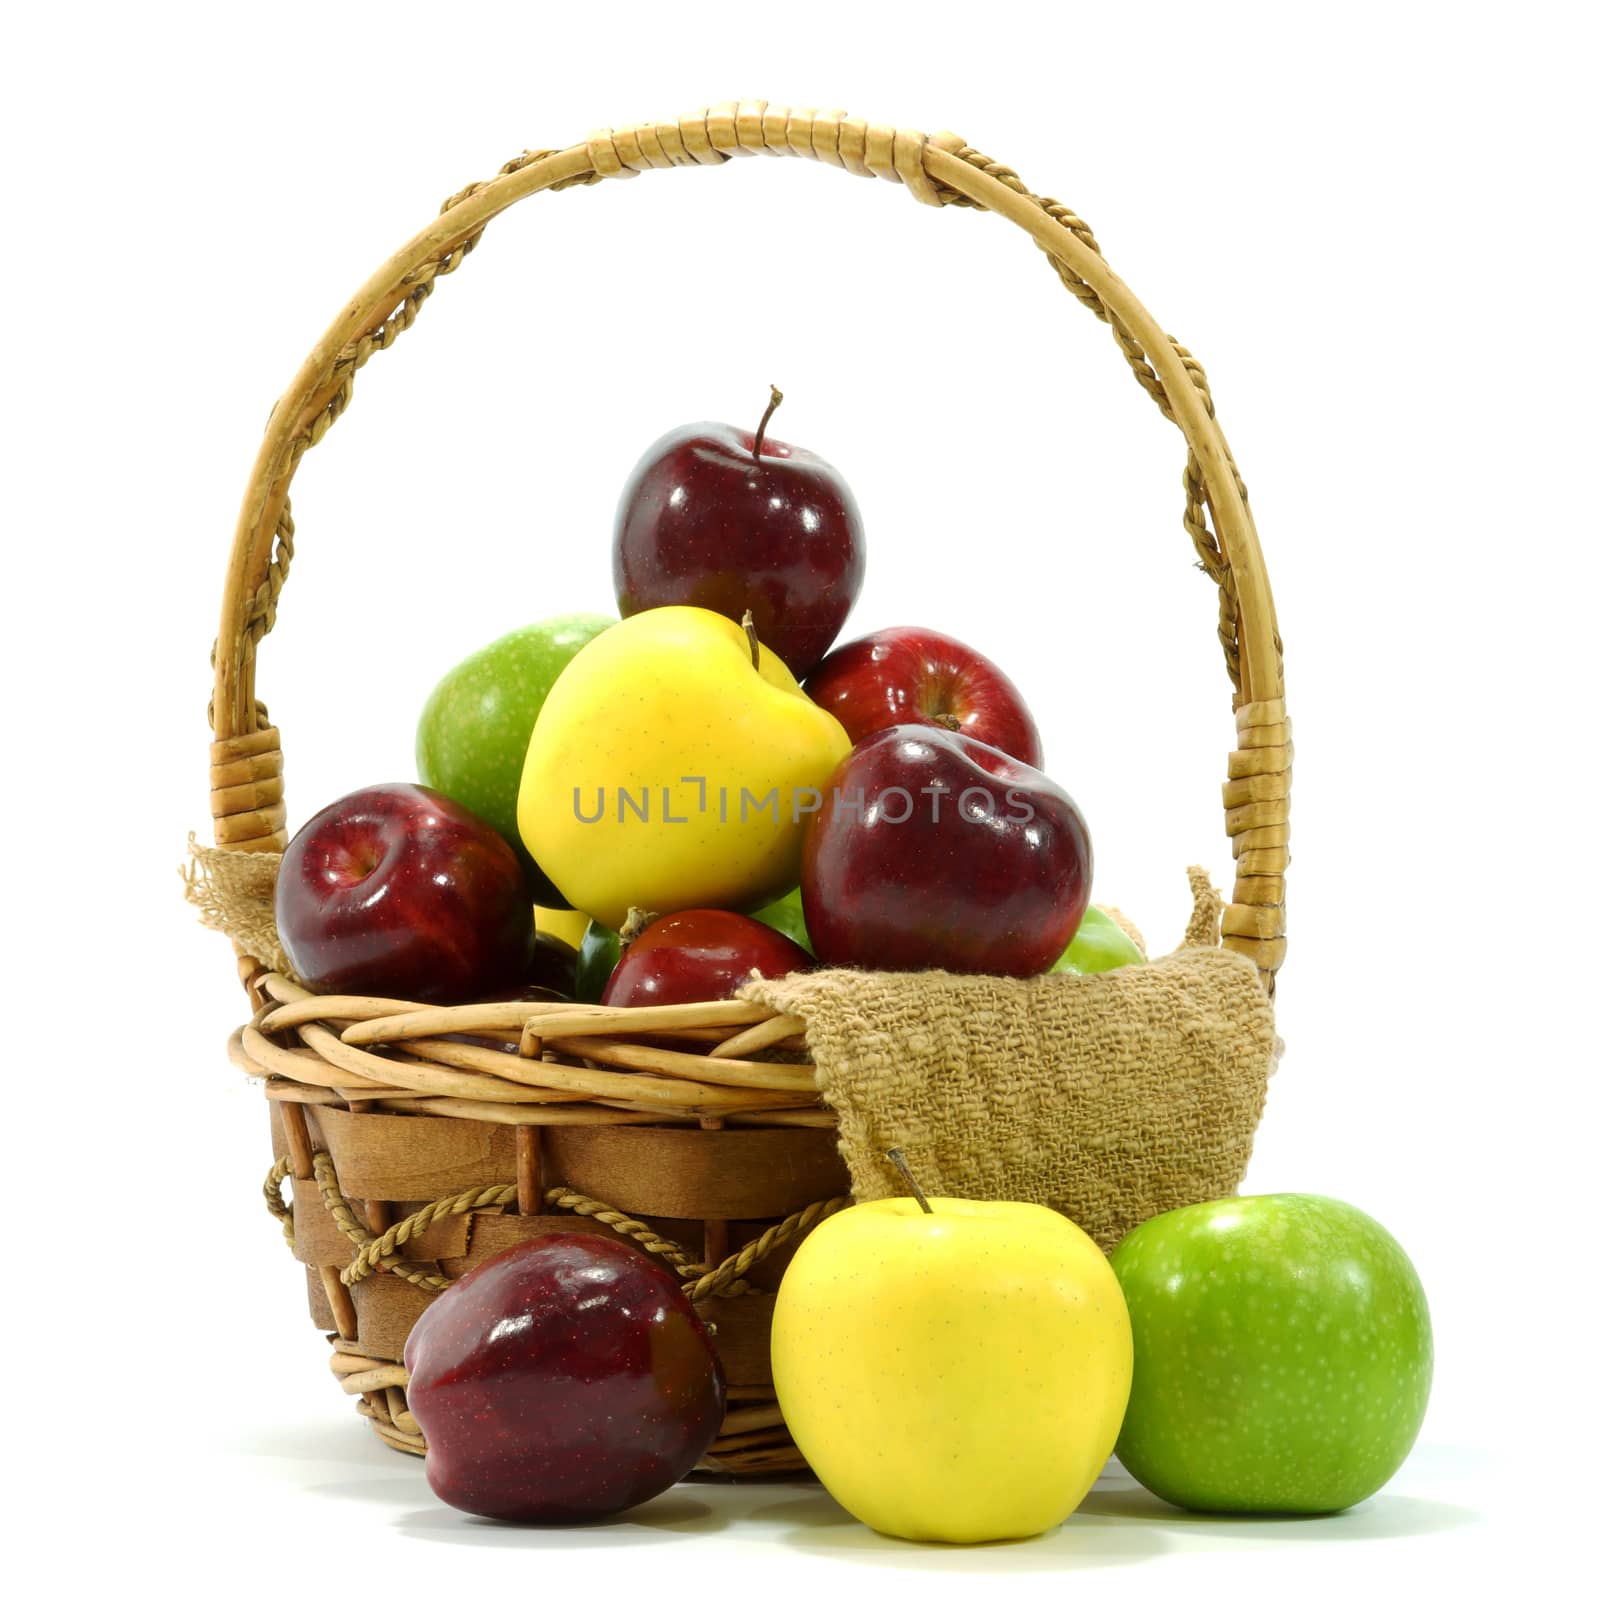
788	916
1099	945
472	736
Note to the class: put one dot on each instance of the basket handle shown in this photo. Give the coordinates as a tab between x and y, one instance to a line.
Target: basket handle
246	758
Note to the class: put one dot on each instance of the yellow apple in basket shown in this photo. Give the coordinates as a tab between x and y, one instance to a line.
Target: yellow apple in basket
673	766
957	1374
567	926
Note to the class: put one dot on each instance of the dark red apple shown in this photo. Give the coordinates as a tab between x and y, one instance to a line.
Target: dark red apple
699	955
565	1379
553	964
901	675
732	521
397	890
932	850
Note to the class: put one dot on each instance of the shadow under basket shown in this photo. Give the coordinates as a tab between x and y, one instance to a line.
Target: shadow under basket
411	1143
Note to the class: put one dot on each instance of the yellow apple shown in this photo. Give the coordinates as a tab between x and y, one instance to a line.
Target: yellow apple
567	926
958	1374
670	770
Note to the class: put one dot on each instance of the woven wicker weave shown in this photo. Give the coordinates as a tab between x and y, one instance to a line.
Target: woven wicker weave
413	1154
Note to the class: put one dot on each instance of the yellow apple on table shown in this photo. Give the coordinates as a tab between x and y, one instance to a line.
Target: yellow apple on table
673	766
956	1374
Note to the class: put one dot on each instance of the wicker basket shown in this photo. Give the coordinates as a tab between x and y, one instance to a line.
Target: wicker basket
413	1154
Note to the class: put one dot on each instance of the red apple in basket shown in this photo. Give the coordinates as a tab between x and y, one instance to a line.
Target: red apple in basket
731	521
932	850
699	955
552	965
565	1379
397	890
901	675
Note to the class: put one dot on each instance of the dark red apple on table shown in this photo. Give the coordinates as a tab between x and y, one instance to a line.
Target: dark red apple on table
717	517
901	675
932	850
689	956
565	1379
397	890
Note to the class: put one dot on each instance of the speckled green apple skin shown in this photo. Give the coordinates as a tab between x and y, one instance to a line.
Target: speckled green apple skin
788	917
1282	1354
1099	945
473	733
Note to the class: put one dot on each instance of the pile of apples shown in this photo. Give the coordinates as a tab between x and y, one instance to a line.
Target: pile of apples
649	810
891	813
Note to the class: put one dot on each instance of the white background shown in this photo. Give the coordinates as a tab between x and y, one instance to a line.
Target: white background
1372	223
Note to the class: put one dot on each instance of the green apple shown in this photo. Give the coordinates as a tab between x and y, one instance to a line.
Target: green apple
788	917
956	1373
472	736
1098	946
598	954
1282	1354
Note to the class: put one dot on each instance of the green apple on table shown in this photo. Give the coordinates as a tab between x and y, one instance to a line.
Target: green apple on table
954	1374
473	733
1099	945
1283	1354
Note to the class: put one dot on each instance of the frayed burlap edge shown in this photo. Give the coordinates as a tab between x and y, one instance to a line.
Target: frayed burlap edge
233	891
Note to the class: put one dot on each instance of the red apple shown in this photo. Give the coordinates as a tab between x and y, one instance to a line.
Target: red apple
397	890
732	521
699	955
932	850
565	1379
901	675
552	965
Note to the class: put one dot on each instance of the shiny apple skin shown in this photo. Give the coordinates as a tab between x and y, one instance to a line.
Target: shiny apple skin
691	956
1002	896
565	1379
916	675
397	890
702	522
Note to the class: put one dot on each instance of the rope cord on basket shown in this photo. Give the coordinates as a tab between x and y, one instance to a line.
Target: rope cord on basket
276	1204
375	1251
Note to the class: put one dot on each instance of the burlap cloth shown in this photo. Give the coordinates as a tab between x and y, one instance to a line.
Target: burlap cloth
1110	1098
233	892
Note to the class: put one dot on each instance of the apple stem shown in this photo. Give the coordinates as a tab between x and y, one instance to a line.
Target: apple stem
634	924
748	623
766	417
898	1157
947	719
